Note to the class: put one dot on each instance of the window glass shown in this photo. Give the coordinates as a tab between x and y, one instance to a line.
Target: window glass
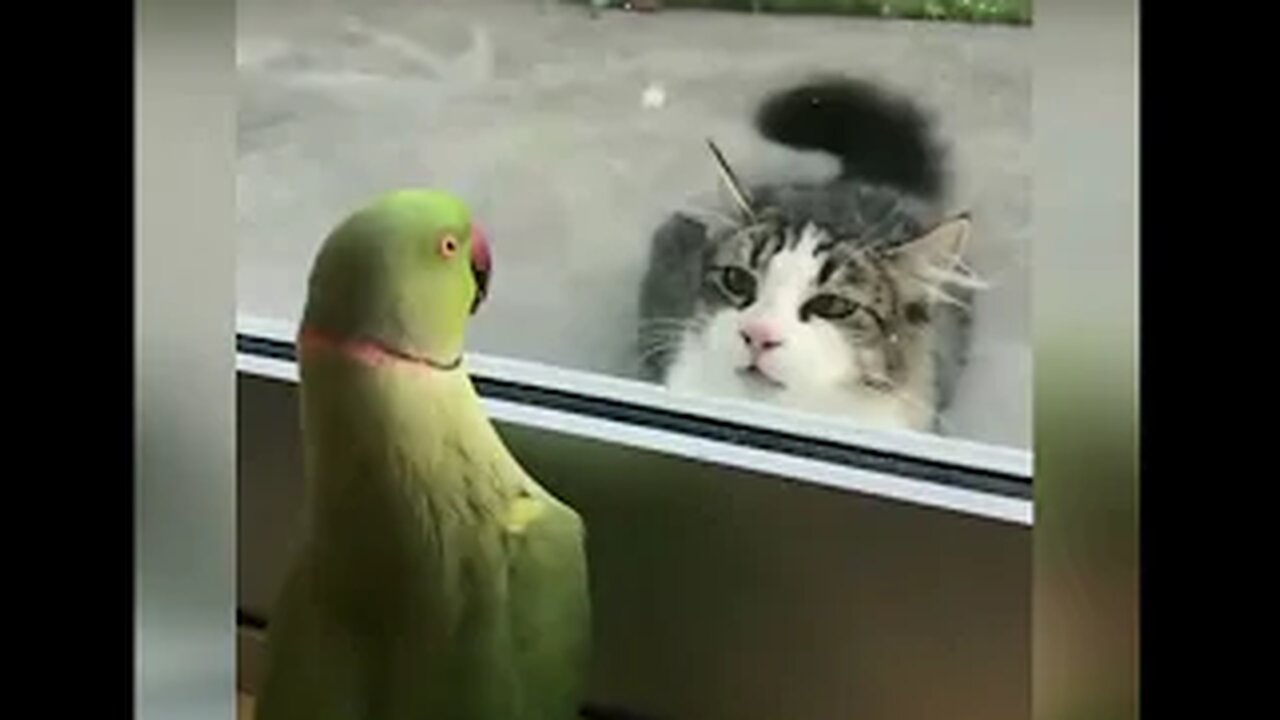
819	208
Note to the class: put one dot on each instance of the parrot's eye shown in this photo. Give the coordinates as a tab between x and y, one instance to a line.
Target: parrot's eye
448	246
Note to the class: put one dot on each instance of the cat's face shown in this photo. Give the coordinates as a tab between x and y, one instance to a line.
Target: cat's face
798	310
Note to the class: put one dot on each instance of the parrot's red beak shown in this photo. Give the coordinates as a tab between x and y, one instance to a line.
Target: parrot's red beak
481	265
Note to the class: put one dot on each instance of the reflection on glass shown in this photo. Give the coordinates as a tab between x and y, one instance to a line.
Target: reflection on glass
812	205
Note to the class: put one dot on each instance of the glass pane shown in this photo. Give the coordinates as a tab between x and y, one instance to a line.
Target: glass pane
625	248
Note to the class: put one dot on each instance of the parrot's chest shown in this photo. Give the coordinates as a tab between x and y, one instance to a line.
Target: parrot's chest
435	551
438	561
477	611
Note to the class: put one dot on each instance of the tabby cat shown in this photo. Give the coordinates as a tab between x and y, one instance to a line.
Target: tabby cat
847	296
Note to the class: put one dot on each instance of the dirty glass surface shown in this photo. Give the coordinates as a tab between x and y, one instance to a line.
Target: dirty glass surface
574	131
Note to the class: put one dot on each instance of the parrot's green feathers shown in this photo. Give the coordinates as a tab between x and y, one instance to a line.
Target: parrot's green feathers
436	580
406	270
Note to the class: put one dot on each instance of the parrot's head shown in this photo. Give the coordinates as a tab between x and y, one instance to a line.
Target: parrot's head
407	271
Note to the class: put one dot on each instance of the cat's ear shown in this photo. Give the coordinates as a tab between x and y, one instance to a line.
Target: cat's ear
937	256
740	196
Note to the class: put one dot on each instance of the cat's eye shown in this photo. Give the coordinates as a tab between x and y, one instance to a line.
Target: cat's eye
828	307
738	282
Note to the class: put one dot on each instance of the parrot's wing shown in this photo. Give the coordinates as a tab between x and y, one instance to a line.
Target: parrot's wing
314	668
551	609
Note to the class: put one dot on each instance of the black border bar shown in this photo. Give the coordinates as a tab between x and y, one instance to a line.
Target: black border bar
720	430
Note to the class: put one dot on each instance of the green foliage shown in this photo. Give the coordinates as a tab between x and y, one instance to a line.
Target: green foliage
1017	12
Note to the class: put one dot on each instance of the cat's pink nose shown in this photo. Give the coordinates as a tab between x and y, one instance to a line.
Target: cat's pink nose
760	337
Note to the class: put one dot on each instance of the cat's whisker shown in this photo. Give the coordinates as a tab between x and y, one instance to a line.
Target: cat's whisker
657	350
671	328
963	279
939	295
657	343
965	267
667	321
935	287
664	330
668	326
682	318
661	334
675	324
936	291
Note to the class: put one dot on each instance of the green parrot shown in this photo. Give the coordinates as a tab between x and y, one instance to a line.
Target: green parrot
435	580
